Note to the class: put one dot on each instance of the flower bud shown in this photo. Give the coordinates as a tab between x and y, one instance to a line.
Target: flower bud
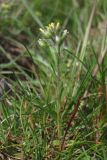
65	32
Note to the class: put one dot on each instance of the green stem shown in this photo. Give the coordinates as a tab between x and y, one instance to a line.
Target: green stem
58	98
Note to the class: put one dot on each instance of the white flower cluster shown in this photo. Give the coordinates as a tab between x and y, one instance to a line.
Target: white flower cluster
52	32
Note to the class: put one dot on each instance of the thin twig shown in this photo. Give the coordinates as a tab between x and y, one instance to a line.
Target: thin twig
70	120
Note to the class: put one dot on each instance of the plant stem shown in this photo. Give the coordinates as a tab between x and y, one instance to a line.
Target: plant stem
58	97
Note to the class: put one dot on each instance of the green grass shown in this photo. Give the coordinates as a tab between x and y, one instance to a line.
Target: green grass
58	108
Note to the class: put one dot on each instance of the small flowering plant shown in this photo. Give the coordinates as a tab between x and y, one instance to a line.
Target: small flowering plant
53	38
